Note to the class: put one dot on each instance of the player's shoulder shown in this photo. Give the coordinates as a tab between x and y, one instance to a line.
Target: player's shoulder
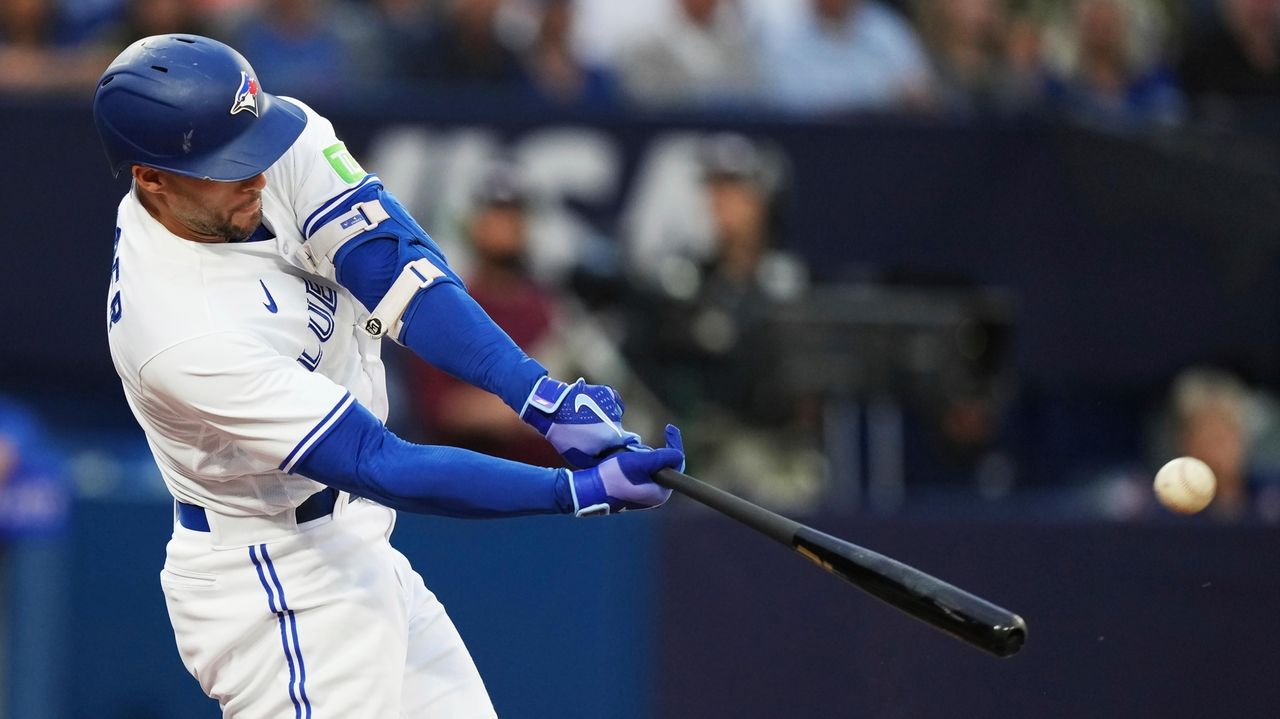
309	112
318	131
317	159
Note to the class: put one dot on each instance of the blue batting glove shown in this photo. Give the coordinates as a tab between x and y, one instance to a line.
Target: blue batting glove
582	421
624	481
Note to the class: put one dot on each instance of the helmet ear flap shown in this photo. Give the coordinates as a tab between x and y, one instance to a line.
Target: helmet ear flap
193	106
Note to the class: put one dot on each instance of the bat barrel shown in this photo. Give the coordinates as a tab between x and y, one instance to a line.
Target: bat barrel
925	597
929	599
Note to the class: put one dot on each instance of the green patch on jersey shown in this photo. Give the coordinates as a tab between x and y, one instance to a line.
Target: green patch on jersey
343	163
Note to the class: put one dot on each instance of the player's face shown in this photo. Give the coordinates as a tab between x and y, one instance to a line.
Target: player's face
220	211
202	210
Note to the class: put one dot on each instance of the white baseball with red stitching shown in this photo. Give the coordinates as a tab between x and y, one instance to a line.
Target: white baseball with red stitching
1185	485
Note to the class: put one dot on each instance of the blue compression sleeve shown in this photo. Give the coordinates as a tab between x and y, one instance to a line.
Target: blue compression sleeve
443	324
361	456
446	327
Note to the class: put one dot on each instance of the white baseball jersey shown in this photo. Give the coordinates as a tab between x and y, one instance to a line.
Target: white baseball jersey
234	359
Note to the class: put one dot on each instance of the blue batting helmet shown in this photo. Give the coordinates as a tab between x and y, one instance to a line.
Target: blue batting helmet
193	106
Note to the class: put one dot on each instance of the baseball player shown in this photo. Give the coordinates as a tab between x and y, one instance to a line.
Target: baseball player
256	268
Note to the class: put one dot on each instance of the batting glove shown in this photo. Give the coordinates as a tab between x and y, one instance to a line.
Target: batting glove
582	421
624	481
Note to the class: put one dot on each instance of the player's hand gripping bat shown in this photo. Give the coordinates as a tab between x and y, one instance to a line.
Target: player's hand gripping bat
951	609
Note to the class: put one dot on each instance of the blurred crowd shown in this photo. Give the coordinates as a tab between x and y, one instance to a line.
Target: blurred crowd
1114	62
680	313
688	337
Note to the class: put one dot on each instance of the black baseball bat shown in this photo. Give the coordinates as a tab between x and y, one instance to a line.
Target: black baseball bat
927	598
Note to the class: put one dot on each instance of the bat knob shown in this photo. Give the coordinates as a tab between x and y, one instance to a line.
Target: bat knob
1008	637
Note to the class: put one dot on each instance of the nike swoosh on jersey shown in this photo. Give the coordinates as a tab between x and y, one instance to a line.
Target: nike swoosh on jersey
270	304
583	400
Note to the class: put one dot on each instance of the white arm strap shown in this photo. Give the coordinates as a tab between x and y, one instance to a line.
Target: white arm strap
387	317
317	253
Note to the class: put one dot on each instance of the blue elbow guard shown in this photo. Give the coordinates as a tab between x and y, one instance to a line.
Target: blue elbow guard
371	213
372	246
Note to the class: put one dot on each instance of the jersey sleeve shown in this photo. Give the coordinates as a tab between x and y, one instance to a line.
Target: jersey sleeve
249	396
318	173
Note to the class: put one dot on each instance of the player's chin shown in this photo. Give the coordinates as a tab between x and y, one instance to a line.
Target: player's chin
252	211
245	222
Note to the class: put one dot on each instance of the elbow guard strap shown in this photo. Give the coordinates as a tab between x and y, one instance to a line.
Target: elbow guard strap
317	253
388	317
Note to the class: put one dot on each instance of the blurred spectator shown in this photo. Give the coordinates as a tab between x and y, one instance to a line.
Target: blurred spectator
453	411
1111	71
403	28
144	18
846	56
81	21
1024	45
34	504
466	48
1211	415
31	60
605	27
310	48
1215	421
700	55
971	45
1235	59
709	347
34	497
559	74
211	7
704	342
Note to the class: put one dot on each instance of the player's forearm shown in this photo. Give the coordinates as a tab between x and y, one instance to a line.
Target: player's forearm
361	456
446	327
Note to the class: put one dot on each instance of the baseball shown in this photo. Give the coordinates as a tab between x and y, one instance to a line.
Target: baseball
1185	485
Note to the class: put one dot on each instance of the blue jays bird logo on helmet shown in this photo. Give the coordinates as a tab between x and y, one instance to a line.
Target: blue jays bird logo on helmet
247	95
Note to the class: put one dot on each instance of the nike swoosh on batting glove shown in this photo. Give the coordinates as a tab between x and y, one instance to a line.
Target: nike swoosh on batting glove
624	481
582	421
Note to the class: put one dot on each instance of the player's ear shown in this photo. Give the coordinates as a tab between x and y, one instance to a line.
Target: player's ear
148	178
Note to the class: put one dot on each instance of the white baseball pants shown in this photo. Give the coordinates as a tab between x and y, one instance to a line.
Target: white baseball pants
325	620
